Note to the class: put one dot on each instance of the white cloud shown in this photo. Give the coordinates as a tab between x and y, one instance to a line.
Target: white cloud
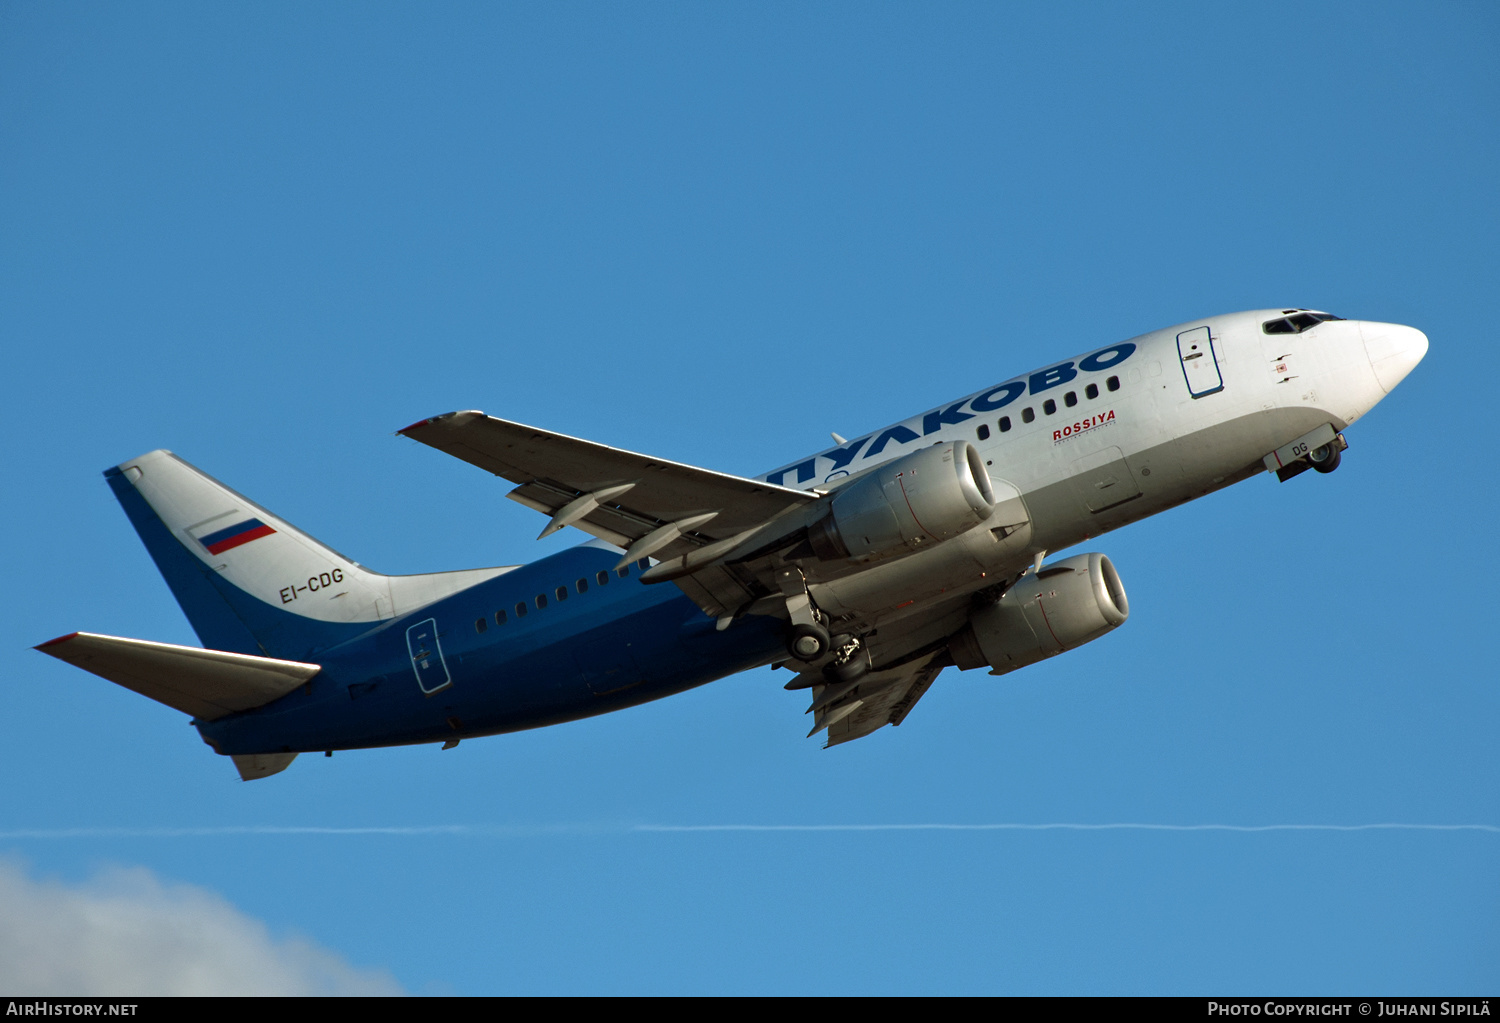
127	933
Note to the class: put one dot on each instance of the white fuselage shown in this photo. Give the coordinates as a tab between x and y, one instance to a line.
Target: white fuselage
1106	439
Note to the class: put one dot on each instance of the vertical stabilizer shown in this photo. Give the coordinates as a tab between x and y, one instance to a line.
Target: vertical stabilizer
251	582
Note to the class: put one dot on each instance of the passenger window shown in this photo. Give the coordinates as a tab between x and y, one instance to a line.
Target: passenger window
582	585
623	572
1070	399
1027	415
499	617
1113	383
480	624
1092	391
983	433
643	564
521	610
541	601
562	593
1049	406
1004	424
603	577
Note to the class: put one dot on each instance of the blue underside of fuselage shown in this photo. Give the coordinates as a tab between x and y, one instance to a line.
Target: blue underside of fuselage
610	647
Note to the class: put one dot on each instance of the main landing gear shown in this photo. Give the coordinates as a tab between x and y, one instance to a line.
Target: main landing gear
809	641
851	660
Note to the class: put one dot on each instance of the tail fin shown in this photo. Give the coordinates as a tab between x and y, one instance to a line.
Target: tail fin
252	583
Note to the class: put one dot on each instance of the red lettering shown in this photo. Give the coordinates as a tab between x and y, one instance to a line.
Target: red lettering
1097	420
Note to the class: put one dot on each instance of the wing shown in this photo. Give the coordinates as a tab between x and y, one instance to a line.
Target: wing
878	699
715	535
649	506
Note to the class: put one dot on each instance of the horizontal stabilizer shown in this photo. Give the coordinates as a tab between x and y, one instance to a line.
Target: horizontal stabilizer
207	684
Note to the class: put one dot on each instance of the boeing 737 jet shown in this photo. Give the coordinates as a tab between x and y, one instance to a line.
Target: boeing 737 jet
864	569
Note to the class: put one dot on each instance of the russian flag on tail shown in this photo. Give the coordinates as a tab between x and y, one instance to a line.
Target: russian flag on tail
234	536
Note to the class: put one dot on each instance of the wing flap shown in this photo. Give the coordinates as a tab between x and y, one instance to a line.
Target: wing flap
716	590
208	684
884	698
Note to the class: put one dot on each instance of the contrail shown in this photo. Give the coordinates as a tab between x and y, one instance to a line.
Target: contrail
229	831
1069	827
544	830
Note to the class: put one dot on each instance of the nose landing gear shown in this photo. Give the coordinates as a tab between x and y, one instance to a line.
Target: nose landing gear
1326	458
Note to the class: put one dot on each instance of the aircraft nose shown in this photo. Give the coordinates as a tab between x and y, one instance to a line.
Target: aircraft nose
1394	351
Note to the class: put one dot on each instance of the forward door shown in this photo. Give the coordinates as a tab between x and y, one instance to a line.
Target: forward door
1200	364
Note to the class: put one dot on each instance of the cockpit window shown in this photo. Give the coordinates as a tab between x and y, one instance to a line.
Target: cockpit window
1299	321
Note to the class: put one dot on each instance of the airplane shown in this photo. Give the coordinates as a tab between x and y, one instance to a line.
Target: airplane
864	570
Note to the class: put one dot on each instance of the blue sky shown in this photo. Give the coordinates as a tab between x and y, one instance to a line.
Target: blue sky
269	237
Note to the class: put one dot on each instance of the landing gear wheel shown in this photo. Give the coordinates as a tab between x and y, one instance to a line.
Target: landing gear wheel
807	642
1325	458
855	666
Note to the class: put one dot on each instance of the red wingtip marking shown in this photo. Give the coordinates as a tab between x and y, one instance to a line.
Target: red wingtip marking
54	642
413	426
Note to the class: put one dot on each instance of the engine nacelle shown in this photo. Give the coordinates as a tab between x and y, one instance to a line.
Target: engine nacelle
1064	606
906	505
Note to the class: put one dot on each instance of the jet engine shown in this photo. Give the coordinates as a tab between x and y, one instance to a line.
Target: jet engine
906	505
1063	606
